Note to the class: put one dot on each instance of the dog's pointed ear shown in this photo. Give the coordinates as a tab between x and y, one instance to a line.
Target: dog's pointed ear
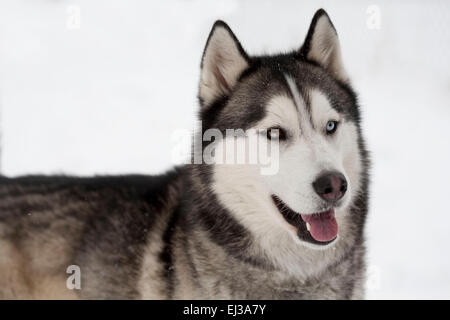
322	45
223	62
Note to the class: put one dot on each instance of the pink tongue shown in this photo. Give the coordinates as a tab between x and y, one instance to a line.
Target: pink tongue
323	226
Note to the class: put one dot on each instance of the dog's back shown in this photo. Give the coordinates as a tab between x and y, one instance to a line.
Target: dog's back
50	223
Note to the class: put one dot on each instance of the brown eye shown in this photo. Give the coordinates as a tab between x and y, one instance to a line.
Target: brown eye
276	133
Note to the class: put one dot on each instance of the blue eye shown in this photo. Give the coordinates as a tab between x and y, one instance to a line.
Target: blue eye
331	127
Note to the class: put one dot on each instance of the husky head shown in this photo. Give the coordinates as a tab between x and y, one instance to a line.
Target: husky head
303	103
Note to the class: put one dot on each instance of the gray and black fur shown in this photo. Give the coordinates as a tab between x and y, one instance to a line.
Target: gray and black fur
169	236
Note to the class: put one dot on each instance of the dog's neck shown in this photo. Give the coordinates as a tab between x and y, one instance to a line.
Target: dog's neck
262	245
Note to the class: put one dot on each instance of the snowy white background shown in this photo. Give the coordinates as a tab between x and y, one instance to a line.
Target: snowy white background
104	93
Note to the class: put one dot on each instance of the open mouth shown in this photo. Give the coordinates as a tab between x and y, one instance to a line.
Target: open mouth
318	228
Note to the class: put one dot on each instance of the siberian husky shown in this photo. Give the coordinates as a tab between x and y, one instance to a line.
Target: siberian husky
211	230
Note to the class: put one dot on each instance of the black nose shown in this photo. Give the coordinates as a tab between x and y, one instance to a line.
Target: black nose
330	186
